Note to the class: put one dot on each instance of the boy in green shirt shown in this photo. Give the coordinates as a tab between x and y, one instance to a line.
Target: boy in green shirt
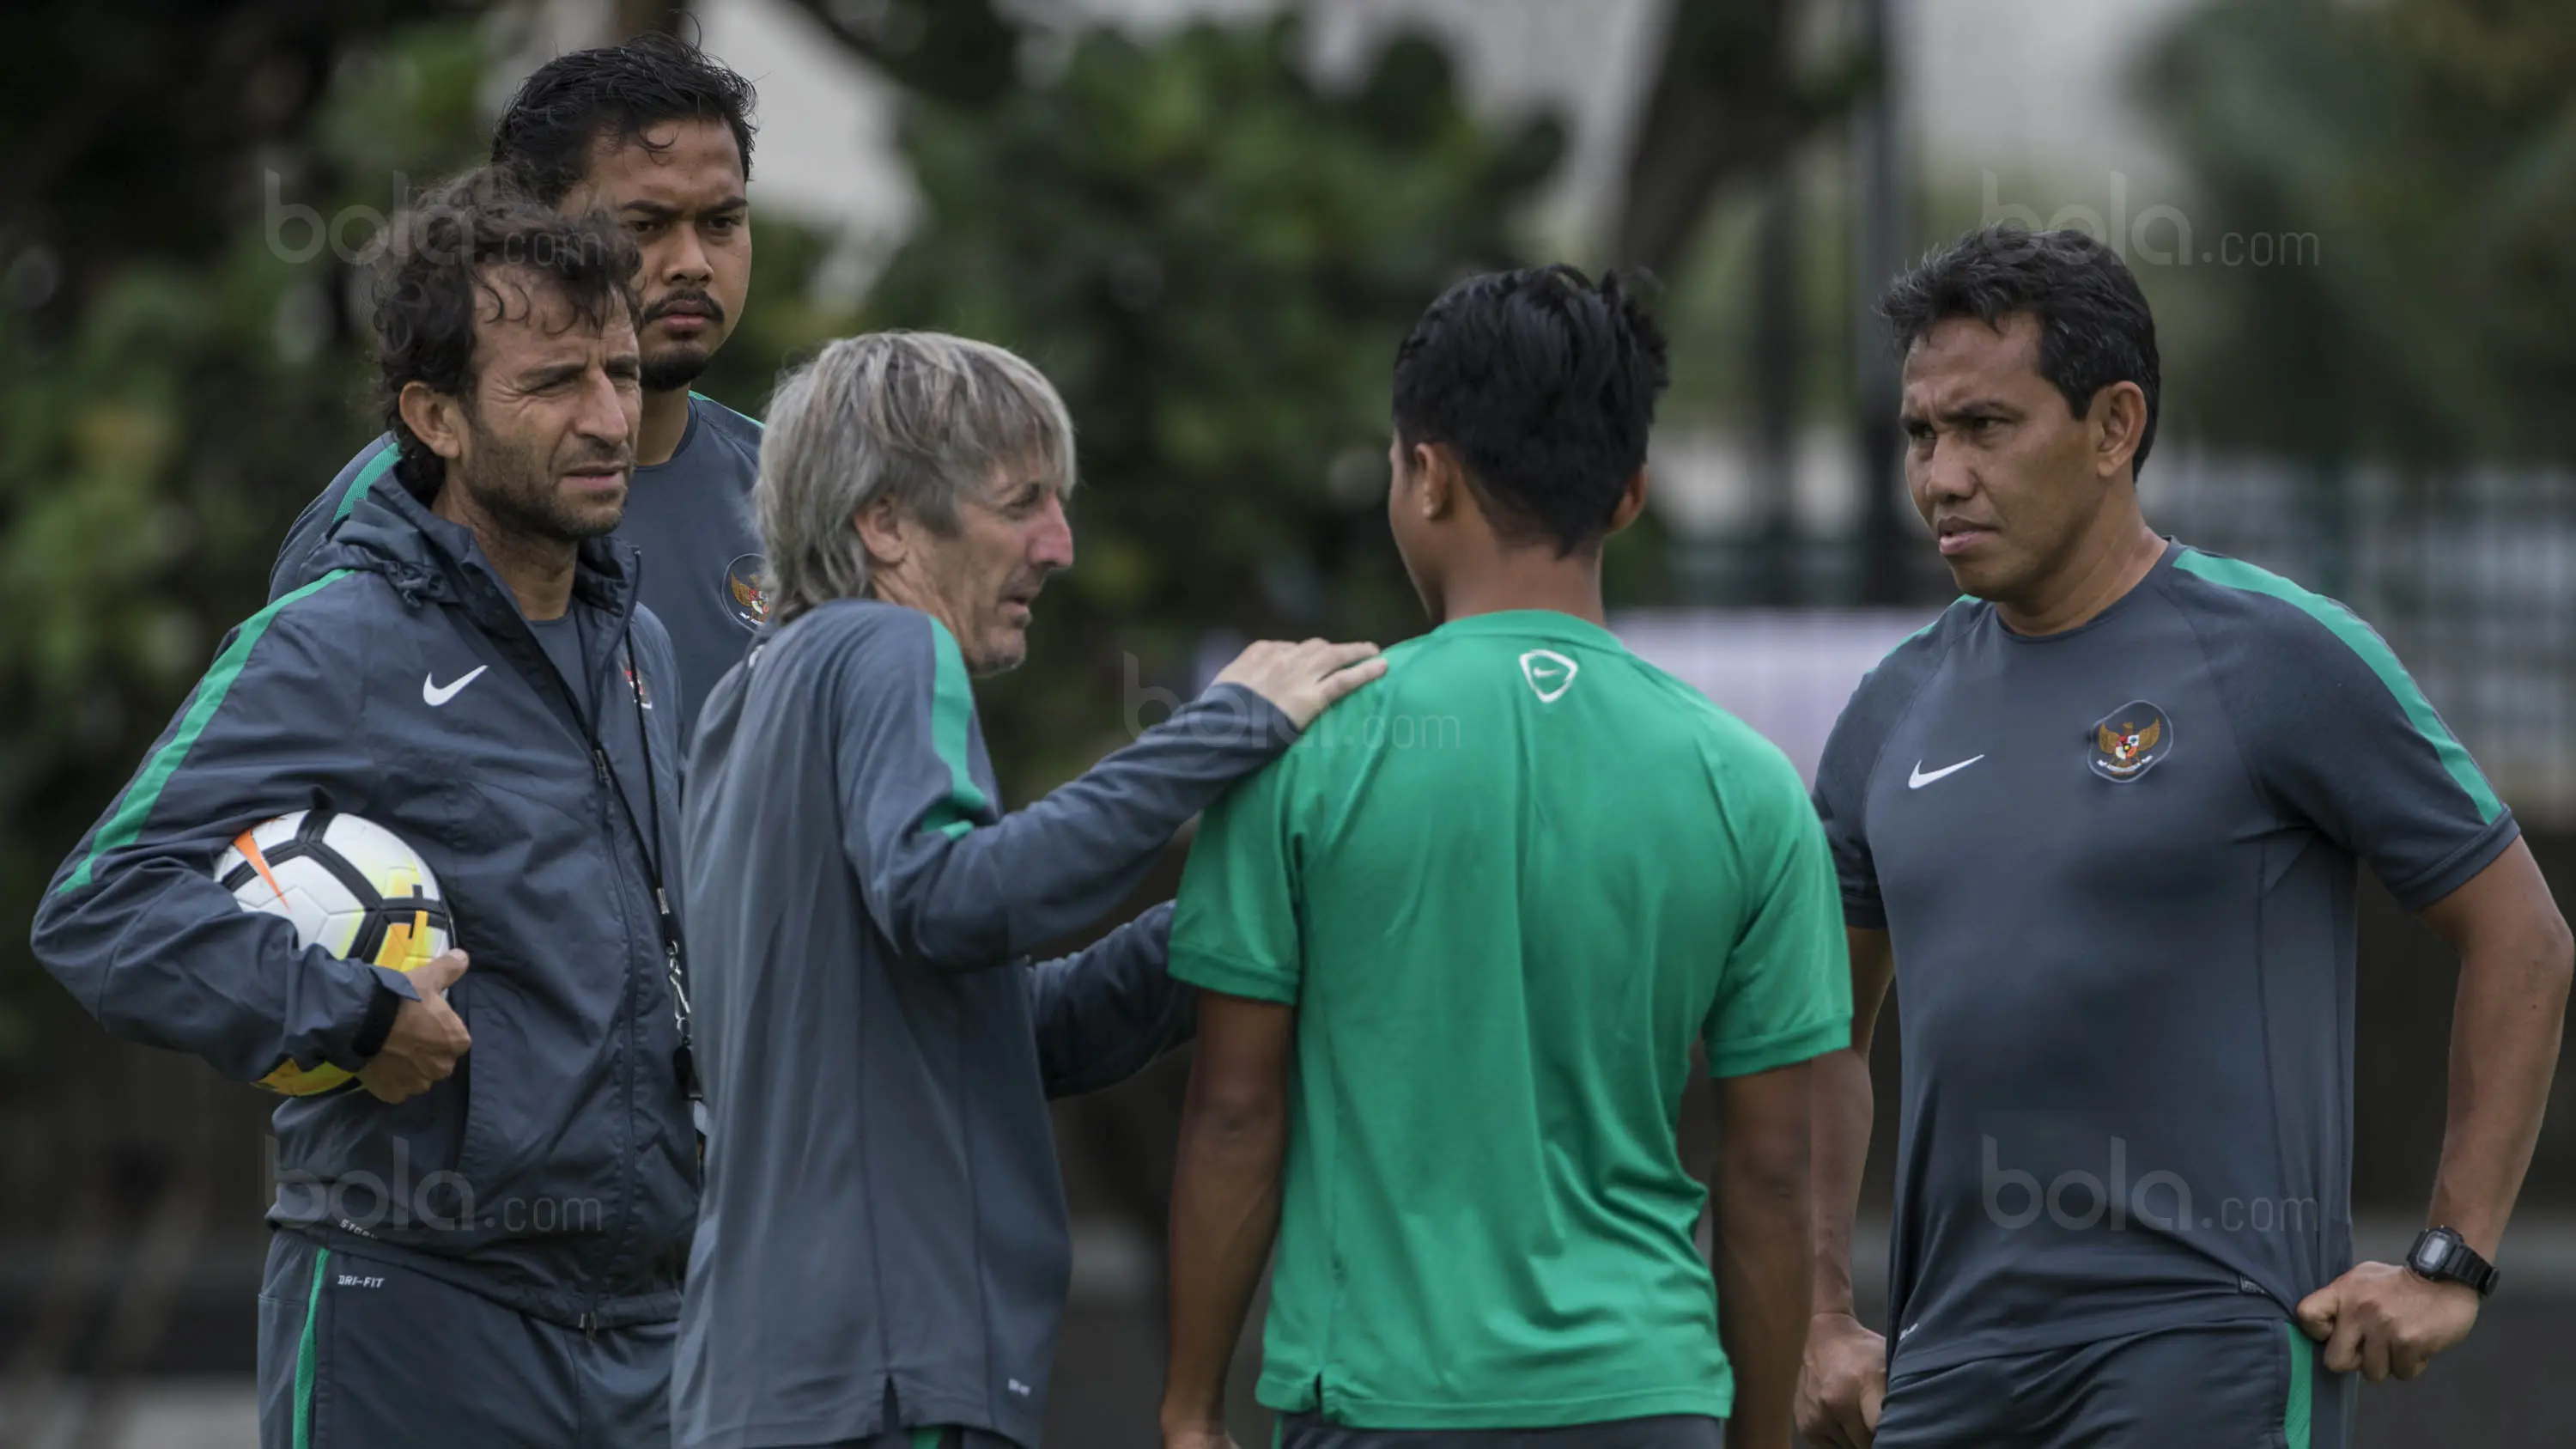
1456	945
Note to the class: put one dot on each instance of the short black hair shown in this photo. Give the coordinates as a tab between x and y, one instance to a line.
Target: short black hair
434	273
2094	326
1543	383
547	132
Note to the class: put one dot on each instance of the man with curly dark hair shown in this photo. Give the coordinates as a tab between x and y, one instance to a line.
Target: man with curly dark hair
482	1242
658	135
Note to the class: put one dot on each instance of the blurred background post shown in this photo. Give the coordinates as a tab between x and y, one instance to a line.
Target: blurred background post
1210	221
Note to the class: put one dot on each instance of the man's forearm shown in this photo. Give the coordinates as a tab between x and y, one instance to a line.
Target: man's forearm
2505	1029
1765	1204
1225	1216
1763	1211
1844	1105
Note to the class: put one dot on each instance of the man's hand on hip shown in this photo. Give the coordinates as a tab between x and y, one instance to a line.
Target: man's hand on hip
1842	1383
2386	1321
1303	679
427	1038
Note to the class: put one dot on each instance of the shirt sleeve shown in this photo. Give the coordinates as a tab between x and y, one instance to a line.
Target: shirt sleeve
1235	929
2339	737
1102	1014
1842	787
1785	995
1851	758
952	881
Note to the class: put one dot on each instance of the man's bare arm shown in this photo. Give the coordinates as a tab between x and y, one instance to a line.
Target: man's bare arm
1845	1373
1845	1105
2505	1024
2515	964
1763	1210
1225	1202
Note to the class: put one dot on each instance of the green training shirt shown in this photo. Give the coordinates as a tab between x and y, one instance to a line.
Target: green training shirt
1507	887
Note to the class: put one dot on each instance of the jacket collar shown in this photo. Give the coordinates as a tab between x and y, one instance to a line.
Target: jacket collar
392	532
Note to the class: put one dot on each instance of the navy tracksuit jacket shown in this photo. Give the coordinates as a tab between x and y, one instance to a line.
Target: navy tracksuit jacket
556	1171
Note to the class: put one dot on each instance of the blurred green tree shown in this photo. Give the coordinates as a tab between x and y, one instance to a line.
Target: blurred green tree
1213	257
182	283
174	295
2400	180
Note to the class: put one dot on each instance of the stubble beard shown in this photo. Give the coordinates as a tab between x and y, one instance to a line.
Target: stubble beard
674	367
516	490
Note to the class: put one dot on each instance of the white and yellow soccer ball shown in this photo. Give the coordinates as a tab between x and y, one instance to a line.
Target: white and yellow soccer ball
351	887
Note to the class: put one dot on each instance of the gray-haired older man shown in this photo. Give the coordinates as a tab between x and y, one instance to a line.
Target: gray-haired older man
881	1255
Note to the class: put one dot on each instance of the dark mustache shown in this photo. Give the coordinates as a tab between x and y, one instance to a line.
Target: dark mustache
704	303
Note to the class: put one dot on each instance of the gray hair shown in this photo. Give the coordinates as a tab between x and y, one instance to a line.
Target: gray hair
923	418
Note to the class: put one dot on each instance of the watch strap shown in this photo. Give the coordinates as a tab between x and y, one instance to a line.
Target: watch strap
2459	1263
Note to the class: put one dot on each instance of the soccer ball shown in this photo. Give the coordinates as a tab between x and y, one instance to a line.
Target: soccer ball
351	887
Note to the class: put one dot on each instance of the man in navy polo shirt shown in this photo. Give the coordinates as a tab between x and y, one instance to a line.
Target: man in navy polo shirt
2100	824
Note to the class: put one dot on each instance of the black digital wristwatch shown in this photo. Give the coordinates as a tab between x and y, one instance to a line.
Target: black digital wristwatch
2441	1256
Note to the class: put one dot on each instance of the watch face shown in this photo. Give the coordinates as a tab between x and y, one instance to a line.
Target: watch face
2432	1253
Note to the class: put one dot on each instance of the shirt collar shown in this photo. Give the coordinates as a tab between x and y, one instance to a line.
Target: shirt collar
1531	623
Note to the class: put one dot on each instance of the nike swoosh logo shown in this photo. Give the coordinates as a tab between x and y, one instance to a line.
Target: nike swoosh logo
1549	673
434	694
1920	778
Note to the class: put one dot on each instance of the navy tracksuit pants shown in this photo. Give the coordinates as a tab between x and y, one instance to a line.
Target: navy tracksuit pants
357	1353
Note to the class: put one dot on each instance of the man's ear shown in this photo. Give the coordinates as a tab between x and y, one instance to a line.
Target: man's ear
1632	501
1437	478
435	418
884	532
2119	421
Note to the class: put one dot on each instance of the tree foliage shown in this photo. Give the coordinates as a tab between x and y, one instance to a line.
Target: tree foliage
1213	257
185	375
2419	158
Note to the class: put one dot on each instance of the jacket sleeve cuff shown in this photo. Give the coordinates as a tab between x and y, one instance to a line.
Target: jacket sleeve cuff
384	1002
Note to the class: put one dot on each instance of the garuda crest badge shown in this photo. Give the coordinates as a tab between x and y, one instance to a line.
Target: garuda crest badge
2129	741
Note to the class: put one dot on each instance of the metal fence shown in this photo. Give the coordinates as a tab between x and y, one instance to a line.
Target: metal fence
2469	573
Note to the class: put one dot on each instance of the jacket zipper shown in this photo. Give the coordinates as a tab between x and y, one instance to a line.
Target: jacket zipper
614	1235
501	602
609	1240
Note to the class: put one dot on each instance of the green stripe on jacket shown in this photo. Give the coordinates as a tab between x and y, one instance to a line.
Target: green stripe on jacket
122	827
